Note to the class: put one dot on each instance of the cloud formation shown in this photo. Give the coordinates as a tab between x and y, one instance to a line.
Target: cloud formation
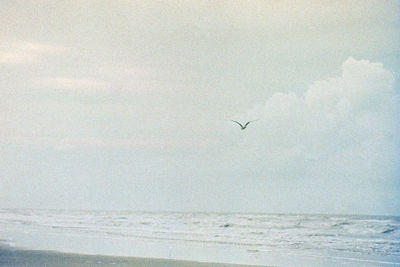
343	133
356	108
27	52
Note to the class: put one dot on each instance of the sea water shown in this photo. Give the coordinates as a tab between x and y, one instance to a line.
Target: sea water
263	239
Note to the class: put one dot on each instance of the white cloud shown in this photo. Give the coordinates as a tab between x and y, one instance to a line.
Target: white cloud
27	52
359	106
341	137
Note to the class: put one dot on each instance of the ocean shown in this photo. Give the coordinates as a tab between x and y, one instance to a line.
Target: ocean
259	239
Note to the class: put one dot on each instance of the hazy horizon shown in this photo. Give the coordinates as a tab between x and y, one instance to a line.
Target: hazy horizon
127	105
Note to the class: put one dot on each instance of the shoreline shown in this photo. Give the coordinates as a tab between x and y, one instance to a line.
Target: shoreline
16	257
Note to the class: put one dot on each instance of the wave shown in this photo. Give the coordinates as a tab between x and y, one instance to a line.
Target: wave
366	235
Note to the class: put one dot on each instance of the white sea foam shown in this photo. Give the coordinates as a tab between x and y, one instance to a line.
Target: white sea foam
363	239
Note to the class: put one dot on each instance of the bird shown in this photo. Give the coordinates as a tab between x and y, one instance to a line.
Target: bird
241	126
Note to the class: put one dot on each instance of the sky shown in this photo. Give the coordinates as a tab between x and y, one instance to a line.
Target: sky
127	105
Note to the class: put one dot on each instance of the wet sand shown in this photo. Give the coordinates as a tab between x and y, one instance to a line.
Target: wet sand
36	258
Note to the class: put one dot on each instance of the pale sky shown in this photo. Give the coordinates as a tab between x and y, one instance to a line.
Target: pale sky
127	105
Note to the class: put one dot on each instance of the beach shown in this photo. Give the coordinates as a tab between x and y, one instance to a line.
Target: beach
20	257
110	238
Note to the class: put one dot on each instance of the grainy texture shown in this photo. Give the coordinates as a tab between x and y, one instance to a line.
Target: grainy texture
32	258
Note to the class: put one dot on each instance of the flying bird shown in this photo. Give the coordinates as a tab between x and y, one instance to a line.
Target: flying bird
241	126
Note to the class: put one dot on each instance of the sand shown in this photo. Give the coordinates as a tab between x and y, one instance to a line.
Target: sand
36	258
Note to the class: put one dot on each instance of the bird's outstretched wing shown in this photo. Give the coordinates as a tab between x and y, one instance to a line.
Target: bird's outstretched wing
238	123
247	123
